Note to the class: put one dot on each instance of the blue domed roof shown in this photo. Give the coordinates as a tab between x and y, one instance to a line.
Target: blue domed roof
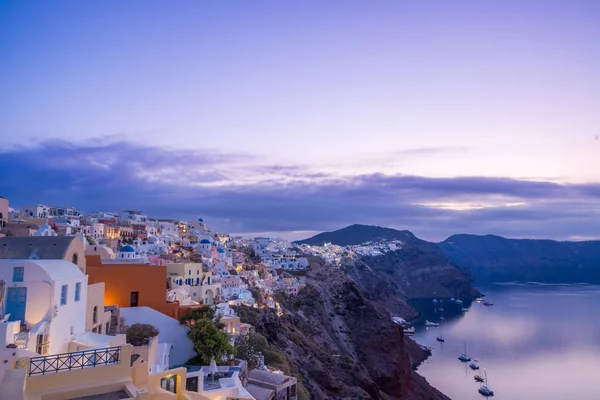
205	241
127	249
200	220
220	250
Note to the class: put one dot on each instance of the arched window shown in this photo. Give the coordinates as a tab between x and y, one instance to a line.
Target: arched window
95	315
75	259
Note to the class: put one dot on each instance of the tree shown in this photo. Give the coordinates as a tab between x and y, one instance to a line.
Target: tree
140	334
250	347
196	314
209	342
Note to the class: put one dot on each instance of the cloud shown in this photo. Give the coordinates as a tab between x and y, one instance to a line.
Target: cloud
241	193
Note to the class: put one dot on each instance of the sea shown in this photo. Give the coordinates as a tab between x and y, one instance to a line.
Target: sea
537	341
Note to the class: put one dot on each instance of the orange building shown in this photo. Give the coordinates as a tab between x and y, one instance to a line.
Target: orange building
134	285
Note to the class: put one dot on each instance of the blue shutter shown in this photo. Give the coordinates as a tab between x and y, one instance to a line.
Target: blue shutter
18	273
63	295
77	291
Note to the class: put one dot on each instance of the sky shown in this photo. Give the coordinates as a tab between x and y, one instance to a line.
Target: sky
295	117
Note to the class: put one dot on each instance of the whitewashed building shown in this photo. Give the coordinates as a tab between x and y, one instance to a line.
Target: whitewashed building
48	297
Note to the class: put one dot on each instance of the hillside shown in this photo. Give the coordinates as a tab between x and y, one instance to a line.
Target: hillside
341	345
494	258
418	270
356	234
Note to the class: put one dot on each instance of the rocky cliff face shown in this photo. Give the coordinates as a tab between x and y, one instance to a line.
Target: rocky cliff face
398	280
342	345
494	258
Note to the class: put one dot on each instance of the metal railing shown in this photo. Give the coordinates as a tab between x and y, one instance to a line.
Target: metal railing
75	360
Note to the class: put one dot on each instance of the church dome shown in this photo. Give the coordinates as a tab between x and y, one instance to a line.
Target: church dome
205	241
127	249
220	250
200	220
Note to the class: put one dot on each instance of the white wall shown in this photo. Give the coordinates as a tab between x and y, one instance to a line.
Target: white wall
170	331
43	294
70	316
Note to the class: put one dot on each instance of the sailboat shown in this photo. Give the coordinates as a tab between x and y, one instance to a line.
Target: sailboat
485	389
441	337
474	366
464	357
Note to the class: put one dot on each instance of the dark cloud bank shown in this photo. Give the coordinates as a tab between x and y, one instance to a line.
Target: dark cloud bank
239	193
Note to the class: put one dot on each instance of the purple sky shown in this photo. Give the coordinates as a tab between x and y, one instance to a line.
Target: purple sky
271	116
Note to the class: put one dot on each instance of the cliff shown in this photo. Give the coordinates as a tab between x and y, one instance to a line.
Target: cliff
341	345
356	234
398	280
494	258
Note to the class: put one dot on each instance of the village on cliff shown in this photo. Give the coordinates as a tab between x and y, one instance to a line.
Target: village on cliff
125	306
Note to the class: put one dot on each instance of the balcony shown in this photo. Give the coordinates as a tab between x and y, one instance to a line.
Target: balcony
76	360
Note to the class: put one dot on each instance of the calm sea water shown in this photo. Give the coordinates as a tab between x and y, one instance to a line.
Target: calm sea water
537	341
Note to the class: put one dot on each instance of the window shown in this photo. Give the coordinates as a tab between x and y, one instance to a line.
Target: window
63	295
18	273
77	291
75	259
95	315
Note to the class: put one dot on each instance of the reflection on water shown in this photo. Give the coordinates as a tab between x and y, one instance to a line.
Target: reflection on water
537	341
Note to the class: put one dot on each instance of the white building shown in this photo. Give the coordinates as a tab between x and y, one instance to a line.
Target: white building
129	217
205	248
37	211
69	212
48	297
172	334
45	230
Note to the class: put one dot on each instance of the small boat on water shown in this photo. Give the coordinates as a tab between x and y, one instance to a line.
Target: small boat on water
478	378
409	331
487	303
440	339
429	323
464	309
474	366
400	321
484	389
459	302
452	299
464	357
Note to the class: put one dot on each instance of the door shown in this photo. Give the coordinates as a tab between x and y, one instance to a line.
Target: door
16	299
134	299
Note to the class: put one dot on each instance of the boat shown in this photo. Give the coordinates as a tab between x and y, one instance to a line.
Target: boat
440	339
409	331
478	378
485	388
474	365
459	302
479	299
464	309
487	303
464	357
400	321
452	299
429	323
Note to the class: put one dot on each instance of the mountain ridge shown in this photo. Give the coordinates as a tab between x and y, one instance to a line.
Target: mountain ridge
495	258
